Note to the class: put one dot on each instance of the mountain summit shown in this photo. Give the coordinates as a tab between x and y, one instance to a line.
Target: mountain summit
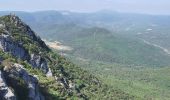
29	70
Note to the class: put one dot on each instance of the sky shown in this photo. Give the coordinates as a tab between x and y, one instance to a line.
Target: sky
159	7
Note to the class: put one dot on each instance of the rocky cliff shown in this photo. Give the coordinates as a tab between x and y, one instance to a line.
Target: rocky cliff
13	32
5	93
15	72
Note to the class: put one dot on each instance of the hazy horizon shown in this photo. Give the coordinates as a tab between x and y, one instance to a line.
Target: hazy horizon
158	7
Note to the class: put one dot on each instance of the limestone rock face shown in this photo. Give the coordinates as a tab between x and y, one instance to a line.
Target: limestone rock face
17	48
17	70
16	37
38	62
5	92
8	45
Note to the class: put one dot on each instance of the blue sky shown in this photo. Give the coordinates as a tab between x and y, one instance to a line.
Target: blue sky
134	6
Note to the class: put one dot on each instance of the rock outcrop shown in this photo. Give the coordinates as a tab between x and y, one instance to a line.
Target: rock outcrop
18	71
8	45
38	62
16	48
49	73
5	92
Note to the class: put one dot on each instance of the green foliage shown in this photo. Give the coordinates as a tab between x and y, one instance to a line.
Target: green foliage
139	81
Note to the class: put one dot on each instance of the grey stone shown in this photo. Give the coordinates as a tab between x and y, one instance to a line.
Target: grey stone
8	45
38	62
5	92
17	70
49	73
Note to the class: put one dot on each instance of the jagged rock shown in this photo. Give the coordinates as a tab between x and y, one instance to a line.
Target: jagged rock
2	26
49	73
62	81
38	62
17	48
17	70
8	45
71	85
5	92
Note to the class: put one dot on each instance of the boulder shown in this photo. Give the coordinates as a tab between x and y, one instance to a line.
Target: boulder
17	70
49	73
5	92
38	62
